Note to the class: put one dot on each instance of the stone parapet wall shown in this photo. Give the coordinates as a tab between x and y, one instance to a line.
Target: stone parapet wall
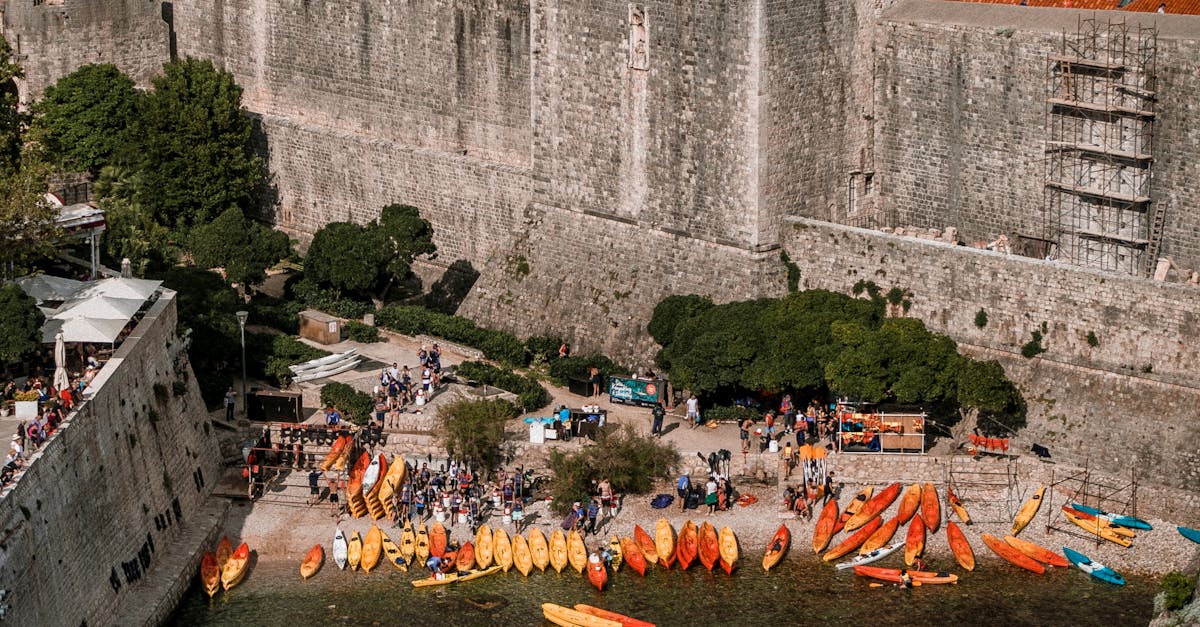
89	522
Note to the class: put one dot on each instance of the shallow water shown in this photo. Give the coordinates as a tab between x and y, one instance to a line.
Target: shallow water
801	590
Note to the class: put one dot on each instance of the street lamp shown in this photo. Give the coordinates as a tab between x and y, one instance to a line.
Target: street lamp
241	316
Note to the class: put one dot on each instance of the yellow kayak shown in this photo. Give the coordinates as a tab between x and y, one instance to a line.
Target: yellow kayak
502	548
1028	510
521	557
408	542
664	539
422	543
729	549
576	551
455	577
391	553
371	548
568	617
1091	526
354	550
483	546
539	548
558	550
614	547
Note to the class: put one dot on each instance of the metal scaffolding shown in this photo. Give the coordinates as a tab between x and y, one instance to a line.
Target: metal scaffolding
1100	112
987	487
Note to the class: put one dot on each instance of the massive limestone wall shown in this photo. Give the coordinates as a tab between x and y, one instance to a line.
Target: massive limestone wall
961	91
366	104
52	39
1128	402
87	525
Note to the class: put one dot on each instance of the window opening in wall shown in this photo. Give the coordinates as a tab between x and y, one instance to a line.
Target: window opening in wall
868	184
852	193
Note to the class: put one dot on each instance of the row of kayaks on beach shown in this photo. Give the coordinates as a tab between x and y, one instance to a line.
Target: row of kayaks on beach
224	568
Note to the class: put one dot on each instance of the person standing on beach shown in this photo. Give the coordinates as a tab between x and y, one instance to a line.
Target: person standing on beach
682	486
658	412
693	411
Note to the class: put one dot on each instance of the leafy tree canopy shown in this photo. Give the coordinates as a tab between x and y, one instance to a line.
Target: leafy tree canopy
12	121
196	154
27	228
20	323
672	310
346	256
475	430
83	120
242	247
407	236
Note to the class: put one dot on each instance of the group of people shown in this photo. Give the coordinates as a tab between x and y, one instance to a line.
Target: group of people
53	406
816	422
603	505
397	388
716	496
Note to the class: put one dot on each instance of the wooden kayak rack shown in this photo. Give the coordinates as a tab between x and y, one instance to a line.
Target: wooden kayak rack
286	453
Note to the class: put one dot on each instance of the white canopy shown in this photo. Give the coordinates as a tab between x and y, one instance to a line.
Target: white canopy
99	307
120	287
95	330
43	287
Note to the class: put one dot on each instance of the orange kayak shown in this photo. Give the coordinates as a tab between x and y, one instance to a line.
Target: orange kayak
777	548
853	507
956	504
709	550
596	572
334	452
1013	556
466	556
210	575
1037	552
931	510
437	540
854	541
914	542
960	546
620	618
825	524
728	547
224	550
646	544
689	545
873	507
909	503
894	575
633	555
312	562
881	537
235	568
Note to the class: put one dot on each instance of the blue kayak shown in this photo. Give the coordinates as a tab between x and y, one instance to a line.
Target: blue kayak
1190	534
1095	569
1129	522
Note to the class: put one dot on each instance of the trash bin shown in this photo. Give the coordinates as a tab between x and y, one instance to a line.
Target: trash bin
773	446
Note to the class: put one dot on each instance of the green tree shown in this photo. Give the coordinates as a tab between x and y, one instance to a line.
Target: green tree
801	340
983	387
346	257
195	145
632	463
12	120
83	120
717	350
27	222
133	233
406	235
475	430
20	323
244	248
206	306
671	311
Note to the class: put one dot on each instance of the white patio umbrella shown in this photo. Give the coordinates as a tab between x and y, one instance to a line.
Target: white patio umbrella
120	288
92	330
61	380
99	307
43	287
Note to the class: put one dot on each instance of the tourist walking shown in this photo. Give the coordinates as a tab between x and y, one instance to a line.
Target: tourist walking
682	486
693	411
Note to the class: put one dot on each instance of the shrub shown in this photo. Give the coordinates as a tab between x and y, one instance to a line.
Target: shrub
314	296
1092	340
981	318
355	406
413	320
475	430
563	370
276	313
1178	590
736	413
530	394
632	462
269	356
543	347
1033	347
364	333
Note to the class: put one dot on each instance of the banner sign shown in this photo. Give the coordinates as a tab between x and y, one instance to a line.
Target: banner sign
634	391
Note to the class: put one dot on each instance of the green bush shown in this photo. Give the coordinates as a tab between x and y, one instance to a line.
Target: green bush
543	347
1178	590
1033	347
981	318
276	313
632	462
355	406
307	291
735	413
413	320
567	368
363	333
475	430
268	356
531	396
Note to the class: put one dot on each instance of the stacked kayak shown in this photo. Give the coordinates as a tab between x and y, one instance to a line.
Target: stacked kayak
1131	522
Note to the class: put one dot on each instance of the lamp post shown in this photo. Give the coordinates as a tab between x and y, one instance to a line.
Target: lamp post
241	316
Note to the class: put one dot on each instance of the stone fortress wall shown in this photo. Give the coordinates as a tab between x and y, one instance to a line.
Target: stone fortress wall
102	504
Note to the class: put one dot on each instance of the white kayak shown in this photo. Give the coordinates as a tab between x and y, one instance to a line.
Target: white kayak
873	556
327	360
310	375
339	549
371	476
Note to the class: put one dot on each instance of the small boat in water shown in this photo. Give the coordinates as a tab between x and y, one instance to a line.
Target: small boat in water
210	575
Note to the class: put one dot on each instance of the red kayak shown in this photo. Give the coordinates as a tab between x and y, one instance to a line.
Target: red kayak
689	545
709	550
646	544
825	524
874	507
1011	555
466	556
914	542
625	621
895	575
854	541
596	572
633	555
777	548
931	509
